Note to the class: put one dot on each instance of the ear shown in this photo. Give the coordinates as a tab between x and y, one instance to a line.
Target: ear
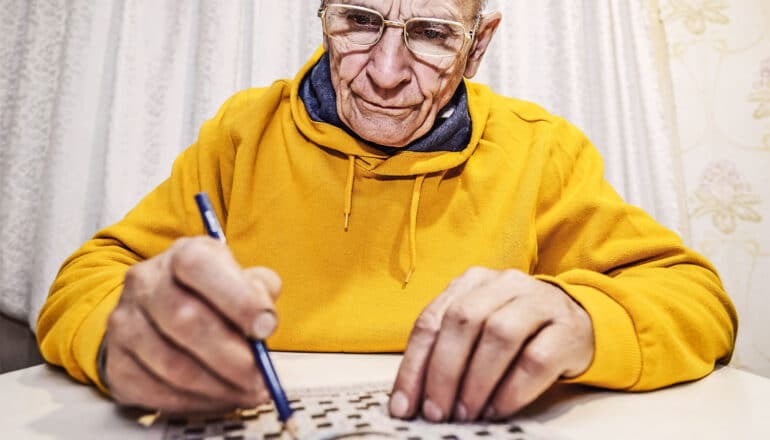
487	27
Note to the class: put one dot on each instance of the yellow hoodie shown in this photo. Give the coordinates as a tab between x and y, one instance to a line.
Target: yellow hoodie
345	226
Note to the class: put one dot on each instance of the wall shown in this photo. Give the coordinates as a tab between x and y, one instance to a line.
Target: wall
720	63
17	345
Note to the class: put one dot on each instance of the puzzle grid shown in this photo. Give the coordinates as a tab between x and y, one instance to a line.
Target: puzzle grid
359	412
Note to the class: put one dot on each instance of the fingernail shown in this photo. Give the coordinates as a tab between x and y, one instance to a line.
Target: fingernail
489	413
461	412
264	325
431	411
399	404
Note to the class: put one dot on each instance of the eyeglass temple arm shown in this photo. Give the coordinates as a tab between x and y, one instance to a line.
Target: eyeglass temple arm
475	29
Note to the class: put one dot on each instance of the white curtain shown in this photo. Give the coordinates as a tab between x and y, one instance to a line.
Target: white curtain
98	97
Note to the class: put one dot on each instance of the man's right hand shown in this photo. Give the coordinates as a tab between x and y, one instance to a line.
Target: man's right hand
177	341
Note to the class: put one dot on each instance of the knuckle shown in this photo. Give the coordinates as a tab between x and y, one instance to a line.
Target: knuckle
118	319
426	328
514	273
500	331
258	298
475	272
247	311
189	256
513	276
180	242
536	361
455	282
266	277
256	281
123	328
186	319
428	324
461	316
577	315
136	282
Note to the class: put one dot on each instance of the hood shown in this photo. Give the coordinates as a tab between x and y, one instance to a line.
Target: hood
403	163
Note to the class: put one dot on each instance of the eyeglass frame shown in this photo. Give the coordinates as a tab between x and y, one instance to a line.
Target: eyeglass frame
469	35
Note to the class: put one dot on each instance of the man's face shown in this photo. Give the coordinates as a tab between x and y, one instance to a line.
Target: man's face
385	93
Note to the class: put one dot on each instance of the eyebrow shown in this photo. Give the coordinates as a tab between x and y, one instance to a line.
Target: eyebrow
442	12
360	3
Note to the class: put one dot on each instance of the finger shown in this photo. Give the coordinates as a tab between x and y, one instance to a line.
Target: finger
176	367
505	332
265	278
140	281
537	367
408	386
460	328
207	267
147	391
193	326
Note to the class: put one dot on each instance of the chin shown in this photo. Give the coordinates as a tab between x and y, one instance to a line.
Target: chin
387	132
383	137
394	128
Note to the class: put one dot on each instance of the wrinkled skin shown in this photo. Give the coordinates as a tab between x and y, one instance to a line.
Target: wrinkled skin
491	343
488	345
176	341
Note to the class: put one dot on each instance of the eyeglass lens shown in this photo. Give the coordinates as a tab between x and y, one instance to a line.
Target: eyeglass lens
363	27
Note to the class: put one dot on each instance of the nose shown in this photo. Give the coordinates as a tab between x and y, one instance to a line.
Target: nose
389	60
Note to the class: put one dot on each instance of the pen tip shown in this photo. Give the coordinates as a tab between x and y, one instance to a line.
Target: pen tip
291	428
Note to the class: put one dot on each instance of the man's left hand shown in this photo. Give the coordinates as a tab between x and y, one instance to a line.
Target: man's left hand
490	344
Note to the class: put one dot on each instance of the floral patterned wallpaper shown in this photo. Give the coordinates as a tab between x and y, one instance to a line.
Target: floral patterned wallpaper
720	63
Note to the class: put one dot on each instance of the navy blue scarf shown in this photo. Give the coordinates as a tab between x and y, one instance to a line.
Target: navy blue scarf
450	133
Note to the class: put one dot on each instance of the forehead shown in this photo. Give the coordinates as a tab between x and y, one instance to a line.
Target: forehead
446	9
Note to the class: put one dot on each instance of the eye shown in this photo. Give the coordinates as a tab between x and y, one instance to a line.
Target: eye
363	20
433	34
430	31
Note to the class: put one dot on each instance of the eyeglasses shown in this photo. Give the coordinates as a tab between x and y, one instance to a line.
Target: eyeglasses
423	36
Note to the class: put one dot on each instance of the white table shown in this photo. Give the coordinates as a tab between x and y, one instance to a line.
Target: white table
42	403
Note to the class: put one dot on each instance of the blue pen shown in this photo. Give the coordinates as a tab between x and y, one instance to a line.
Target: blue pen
258	347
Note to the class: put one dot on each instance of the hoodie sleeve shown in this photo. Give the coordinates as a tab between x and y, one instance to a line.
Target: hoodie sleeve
659	311
73	320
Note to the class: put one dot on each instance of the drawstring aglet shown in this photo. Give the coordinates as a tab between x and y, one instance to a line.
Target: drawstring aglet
408	277
347	221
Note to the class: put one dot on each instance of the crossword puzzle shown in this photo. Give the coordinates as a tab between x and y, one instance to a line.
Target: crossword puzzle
343	414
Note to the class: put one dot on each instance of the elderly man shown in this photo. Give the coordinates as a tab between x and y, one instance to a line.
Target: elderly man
395	207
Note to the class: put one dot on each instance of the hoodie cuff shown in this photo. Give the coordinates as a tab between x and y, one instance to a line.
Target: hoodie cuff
87	345
617	361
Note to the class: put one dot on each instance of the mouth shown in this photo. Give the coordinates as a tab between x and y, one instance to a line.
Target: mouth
389	110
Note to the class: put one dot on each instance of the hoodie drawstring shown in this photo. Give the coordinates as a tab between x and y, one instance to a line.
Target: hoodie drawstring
349	189
415	205
413	208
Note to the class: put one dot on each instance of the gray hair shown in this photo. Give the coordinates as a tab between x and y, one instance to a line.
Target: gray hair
481	5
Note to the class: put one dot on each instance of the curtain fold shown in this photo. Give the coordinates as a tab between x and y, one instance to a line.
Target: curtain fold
99	97
41	47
